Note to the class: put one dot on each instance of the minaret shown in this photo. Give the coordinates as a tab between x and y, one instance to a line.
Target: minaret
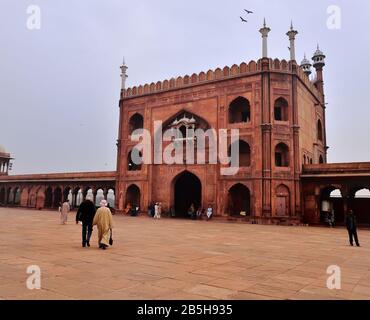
306	66
124	75
264	31
319	63
291	34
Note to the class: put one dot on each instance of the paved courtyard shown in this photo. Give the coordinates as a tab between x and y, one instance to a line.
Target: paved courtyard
178	259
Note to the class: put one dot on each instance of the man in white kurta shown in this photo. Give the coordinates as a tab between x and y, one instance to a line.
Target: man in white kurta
64	212
104	221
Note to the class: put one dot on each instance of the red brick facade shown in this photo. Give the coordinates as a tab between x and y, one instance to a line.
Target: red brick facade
274	191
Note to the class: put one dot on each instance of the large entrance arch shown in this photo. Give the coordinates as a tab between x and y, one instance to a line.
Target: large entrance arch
187	190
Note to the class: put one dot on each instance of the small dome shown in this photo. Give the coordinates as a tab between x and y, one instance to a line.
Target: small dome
318	53
306	62
2	149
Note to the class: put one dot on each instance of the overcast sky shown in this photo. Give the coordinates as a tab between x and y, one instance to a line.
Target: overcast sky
59	86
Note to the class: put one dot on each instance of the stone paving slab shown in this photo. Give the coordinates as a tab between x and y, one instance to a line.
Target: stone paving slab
178	260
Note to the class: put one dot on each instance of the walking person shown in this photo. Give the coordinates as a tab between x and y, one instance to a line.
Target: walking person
85	214
64	209
351	224
157	210
104	221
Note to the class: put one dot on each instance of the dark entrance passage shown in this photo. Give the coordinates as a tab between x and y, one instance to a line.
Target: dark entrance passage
2	196
58	195
360	203
332	203
133	196
48	198
239	200
188	190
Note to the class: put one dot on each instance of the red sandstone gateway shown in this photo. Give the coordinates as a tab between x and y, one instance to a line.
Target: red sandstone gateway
279	111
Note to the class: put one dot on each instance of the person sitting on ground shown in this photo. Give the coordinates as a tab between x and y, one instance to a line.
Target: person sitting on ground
192	212
209	212
128	208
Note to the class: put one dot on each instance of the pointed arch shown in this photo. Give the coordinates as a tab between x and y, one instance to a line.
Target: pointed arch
282	201
281	110
282	155
239	111
136	122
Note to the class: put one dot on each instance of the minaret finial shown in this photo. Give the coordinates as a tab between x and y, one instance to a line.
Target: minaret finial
264	22
124	75
291	25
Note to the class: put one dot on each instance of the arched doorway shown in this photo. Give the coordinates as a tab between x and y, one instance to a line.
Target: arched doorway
133	196
17	197
331	201
79	197
239	111
2	196
111	198
244	153
40	198
239	201
187	191
58	195
282	201
360	205
136	122
99	197
49	197
10	196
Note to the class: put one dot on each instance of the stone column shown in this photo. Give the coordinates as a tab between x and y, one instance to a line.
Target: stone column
297	160
266	127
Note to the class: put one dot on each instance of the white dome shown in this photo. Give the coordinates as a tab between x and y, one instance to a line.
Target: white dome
318	53
306	62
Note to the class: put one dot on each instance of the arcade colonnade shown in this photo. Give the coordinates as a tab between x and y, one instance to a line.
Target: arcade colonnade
48	191
336	188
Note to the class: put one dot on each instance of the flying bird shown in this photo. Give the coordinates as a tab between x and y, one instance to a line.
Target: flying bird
247	11
243	20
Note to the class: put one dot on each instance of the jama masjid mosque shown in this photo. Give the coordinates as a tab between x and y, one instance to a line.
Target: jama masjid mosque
278	106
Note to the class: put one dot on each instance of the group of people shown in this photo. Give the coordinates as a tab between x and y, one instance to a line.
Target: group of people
132	210
200	212
89	217
155	210
103	219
